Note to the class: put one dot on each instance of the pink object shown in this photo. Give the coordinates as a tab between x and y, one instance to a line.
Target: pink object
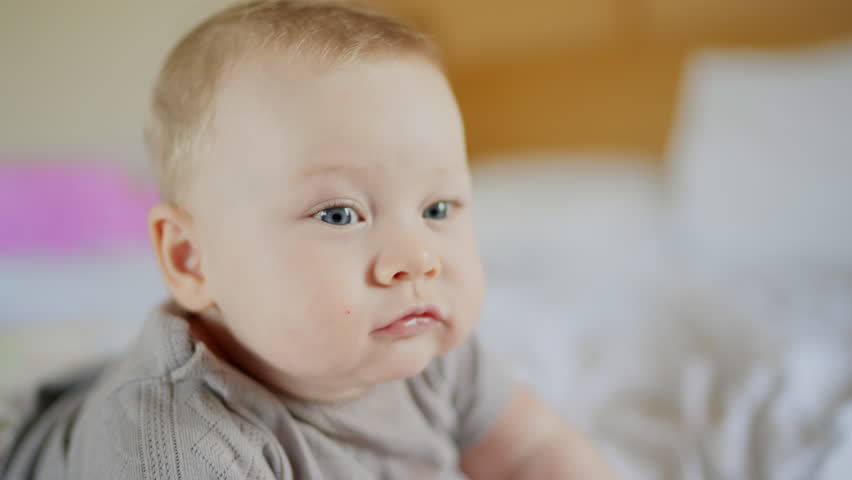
70	208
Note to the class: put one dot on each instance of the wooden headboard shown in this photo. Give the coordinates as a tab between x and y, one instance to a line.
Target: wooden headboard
595	74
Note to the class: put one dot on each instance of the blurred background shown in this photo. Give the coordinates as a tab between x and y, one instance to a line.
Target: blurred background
664	204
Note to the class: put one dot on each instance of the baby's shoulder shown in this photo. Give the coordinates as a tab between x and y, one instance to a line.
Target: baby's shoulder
158	428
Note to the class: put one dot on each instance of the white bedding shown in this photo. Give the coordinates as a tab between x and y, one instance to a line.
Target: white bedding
681	371
725	378
639	321
680	374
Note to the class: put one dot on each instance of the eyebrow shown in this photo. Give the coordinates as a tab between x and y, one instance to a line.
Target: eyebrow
321	169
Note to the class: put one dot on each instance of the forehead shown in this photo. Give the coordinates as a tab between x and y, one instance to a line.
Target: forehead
304	117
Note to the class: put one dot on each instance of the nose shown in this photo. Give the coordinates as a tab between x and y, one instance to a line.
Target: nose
408	260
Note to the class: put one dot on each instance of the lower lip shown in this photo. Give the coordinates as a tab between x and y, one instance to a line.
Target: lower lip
409	326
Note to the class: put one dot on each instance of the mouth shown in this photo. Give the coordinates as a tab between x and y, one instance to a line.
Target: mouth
412	322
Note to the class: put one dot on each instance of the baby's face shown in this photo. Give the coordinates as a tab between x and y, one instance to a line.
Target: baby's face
335	223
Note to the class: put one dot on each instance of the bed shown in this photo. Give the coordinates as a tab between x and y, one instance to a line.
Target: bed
695	319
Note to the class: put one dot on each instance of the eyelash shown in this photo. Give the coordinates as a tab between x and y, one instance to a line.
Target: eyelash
454	204
336	204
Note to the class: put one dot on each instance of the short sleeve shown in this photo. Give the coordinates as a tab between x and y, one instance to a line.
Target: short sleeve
480	388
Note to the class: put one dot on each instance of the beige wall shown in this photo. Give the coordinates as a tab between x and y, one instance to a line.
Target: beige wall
76	73
545	74
583	75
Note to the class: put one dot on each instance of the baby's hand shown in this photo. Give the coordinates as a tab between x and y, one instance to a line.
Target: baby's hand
531	441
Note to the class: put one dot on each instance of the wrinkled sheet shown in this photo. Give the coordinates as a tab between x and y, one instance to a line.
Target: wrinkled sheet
745	376
679	373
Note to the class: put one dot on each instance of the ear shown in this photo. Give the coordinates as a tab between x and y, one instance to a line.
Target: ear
177	250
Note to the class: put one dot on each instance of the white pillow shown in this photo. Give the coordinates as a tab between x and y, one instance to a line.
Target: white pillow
573	217
761	156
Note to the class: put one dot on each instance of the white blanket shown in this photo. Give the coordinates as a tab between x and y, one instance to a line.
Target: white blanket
704	379
679	374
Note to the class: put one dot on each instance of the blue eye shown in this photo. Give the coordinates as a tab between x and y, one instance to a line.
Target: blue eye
338	216
437	211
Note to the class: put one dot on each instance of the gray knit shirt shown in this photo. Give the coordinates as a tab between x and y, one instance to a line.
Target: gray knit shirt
170	409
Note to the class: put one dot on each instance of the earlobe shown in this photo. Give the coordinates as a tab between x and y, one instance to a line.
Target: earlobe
178	253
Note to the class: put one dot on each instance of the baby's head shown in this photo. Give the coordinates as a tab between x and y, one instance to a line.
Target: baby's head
317	209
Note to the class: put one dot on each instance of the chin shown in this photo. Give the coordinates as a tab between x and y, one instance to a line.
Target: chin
409	357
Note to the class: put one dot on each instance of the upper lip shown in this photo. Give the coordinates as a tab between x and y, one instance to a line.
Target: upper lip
415	311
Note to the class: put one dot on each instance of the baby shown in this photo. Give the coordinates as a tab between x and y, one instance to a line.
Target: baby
317	239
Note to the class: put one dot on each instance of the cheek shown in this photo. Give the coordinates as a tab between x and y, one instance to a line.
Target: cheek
467	257
322	271
466	276
305	293
323	285
292	281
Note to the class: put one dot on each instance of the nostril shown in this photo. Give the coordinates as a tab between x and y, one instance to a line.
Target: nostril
401	276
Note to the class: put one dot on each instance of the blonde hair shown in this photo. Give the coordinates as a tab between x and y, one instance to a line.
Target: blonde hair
183	96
